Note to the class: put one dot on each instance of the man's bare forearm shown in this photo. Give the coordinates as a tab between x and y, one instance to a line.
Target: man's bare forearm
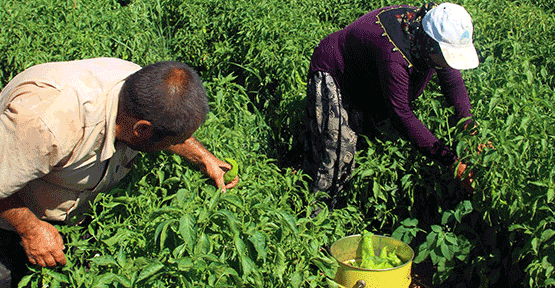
209	164
15	213
42	242
192	150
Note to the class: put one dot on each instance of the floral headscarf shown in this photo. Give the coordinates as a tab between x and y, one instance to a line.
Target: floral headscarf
421	45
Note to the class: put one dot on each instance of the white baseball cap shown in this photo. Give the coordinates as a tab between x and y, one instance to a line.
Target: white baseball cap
451	26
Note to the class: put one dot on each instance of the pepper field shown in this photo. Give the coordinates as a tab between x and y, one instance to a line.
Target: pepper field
166	225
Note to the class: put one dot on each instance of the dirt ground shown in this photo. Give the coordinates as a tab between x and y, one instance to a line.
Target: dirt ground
421	275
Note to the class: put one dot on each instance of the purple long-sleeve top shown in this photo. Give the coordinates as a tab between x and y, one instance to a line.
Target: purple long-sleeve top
371	63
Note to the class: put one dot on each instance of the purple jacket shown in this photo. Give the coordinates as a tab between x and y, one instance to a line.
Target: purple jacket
371	63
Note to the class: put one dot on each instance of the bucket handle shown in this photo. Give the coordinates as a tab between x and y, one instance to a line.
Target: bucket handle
360	284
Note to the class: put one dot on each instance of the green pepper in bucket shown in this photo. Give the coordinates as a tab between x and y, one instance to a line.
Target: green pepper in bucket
371	261
348	251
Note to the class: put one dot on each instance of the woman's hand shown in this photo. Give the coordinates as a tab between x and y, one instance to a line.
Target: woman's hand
467	181
461	167
481	146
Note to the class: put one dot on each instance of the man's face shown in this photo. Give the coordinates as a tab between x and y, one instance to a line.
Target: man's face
140	135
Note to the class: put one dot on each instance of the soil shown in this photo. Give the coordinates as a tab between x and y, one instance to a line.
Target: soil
422	274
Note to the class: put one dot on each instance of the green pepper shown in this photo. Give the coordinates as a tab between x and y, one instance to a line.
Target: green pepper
367	251
232	173
371	261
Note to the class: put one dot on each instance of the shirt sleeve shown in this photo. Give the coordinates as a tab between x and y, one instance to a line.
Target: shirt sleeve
452	86
394	79
28	148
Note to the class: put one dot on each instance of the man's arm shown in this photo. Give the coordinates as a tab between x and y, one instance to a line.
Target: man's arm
28	151
41	241
197	154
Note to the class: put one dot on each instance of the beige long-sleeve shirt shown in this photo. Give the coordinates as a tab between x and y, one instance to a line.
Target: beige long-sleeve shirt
57	135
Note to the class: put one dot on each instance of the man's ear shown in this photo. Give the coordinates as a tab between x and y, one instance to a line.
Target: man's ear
143	130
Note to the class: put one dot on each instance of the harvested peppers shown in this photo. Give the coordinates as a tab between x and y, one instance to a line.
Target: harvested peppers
371	261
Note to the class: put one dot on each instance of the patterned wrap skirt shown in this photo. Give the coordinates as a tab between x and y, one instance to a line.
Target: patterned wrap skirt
330	140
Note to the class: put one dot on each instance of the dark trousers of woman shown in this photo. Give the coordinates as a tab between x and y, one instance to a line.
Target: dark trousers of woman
13	260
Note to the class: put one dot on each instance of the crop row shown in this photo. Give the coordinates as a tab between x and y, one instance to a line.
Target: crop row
165	225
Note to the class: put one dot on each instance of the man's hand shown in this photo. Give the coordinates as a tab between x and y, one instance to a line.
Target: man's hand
42	241
44	245
213	167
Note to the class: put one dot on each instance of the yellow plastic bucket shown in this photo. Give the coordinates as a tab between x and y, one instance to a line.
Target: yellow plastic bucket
348	248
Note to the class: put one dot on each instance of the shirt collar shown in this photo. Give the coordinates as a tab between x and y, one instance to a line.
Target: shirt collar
112	102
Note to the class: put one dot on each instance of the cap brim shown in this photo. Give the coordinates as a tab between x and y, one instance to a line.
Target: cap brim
460	58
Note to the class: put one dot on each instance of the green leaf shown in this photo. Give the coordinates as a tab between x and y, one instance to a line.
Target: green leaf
259	243
445	217
161	176
122	257
410	222
289	222
423	253
535	245
399	233
451	239
232	199
551	192
525	229
445	251
184	264
104	260
431	239
376	189
179	250
161	232
279	263
547	234
171	180
123	281
111	204
57	276
436	228
177	159
182	196
149	271
296	280
24	281
214	200
117	238
171	210
435	258
246	262
188	231
203	245
103	279
230	217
